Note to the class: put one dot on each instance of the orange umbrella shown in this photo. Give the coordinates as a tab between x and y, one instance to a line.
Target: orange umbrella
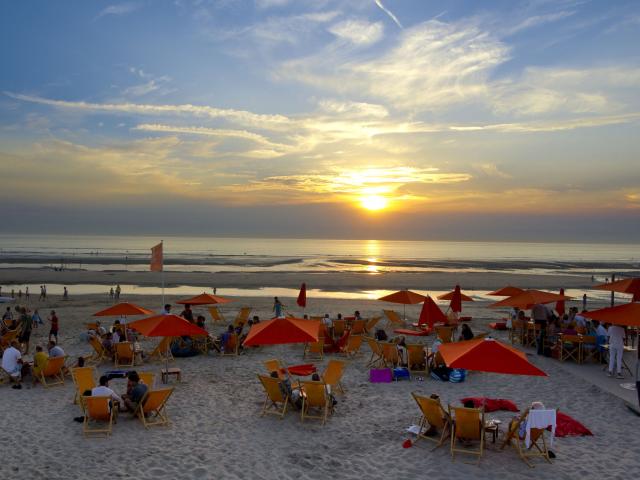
431	314
630	286
166	326
204	299
626	314
487	355
283	330
507	291
302	296
122	309
528	298
560	304
405	297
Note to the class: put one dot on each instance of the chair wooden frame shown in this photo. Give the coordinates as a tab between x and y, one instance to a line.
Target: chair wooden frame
53	369
377	357
390	355
235	346
371	324
162	351
125	354
99	352
537	436
468	424
333	374
276	400
315	397
148	378
416	357
97	409
570	347
152	409
314	350
242	317
352	348
589	353
339	326
84	378
394	318
358	327
433	414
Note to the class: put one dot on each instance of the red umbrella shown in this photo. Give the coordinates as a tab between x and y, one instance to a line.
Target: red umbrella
487	355
560	304
630	286
528	298
405	297
204	299
283	330
431	314
166	326
507	291
122	309
627	314
456	297
302	296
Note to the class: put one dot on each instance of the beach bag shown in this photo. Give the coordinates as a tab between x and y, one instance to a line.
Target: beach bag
440	373
457	375
380	375
400	373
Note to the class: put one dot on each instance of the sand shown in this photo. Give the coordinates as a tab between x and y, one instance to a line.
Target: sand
217	432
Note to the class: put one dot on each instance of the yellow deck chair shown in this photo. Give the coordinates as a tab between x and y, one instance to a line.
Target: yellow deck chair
371	324
445	333
216	315
537	440
314	350
377	357
333	374
242	317
417	359
517	332
339	327
162	350
97	410
433	415
231	347
84	378
274	365
390	354
358	326
352	348
99	353
394	318
125	354
467	424
152	410
7	338
52	372
276	400
148	378
315	397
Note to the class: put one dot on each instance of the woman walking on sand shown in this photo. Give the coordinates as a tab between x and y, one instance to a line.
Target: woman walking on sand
277	307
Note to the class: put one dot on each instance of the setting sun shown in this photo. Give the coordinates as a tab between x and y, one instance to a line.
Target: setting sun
374	202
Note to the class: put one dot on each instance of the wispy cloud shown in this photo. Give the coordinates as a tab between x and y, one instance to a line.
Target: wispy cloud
358	32
538	20
119	9
389	13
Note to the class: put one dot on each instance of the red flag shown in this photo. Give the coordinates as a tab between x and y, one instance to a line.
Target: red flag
156	258
560	304
302	296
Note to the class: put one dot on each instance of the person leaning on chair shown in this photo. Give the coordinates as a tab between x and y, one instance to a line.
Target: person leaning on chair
541	315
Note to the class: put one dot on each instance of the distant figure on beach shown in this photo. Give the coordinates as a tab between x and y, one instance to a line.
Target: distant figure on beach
13	293
41	297
111	293
53	332
26	293
118	290
166	310
65	295
593	279
214	290
277	307
20	293
45	291
584	302
37	319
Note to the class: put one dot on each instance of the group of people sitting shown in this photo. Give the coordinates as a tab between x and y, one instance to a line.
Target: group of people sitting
14	366
295	392
22	322
127	402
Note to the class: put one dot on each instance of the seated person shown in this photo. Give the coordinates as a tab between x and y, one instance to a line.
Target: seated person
40	359
135	392
100	330
12	363
332	399
55	350
256	319
580	320
522	431
433	430
295	395
200	321
224	338
402	351
103	390
465	333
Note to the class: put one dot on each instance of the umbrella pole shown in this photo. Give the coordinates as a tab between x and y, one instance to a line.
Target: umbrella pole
166	364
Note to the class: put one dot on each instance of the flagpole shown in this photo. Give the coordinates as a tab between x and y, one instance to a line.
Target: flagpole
162	272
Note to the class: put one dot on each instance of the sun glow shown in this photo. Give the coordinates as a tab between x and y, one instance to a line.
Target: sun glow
374	202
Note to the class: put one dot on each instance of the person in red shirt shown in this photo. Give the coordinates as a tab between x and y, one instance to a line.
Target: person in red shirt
53	318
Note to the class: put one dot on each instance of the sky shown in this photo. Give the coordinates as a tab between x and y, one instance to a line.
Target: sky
388	119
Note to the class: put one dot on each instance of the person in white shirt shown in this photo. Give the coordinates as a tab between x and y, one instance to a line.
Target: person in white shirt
12	363
616	336
55	350
103	390
580	321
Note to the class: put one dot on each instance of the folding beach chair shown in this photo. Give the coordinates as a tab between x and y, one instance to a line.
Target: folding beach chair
394	318
99	353
417	359
242	317
377	357
358	327
84	378
163	350
390	355
97	411
231	346
148	378
590	351
433	415
467	425
276	399
125	354
570	348
352	348
314	350
315	397
52	372
536	438
216	315
371	324
339	327
445	333
333	374
152	409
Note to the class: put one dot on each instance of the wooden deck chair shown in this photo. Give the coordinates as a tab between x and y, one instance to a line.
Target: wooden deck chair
314	350
531	334
444	333
352	348
231	347
84	378
152	410
201	343
339	327
371	324
589	346
315	397
468	425
417	359
148	378
125	355
52	372
99	353
394	318
358	326
216	315
92	326
516	334
390	355
377	357
433	415
276	400
97	410
538	441
163	350
7	338
570	348
242	317
333	374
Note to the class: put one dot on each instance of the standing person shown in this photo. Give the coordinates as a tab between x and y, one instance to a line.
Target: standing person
8	316
584	302
187	313
541	315
37	319
166	310
26	293
111	294
44	290
214	290
41	297
118	290
53	318
277	307
65	295
616	336
26	323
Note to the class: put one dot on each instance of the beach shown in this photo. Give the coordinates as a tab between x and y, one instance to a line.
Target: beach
216	429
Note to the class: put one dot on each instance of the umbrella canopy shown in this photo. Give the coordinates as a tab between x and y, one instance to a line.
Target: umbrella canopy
166	326
121	309
560	304
630	286
456	297
626	314
431	313
507	291
302	296
528	298
488	355
406	297
204	299
283	330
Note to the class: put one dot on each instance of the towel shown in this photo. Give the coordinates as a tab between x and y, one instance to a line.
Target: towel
540	419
